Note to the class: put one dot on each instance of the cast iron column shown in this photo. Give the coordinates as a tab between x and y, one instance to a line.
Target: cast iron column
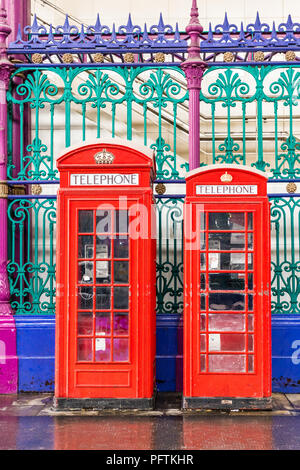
8	356
194	69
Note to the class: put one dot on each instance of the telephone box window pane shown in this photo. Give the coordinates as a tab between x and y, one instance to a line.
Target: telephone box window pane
203	322
226	261
102	349
250	302
103	295
121	297
228	322
121	350
102	247
86	221
202	282
250	281
250	364
202	261
250	260
121	324
202	362
226	241
250	221
224	301
121	221
85	272
121	271
85	323
226	221
203	342
250	241
250	343
250	323
103	221
121	246
85	349
103	272
228	342
85	246
202	301
227	363
85	298
102	323
227	281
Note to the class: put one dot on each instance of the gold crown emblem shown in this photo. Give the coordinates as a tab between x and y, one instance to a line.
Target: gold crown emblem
104	157
226	177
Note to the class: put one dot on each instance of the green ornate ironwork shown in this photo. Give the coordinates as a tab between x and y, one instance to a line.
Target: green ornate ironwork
124	101
285	218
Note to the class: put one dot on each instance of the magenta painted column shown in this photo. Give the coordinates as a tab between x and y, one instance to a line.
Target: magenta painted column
8	355
194	68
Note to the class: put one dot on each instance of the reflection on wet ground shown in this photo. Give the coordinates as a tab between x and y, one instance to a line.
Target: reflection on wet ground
29	425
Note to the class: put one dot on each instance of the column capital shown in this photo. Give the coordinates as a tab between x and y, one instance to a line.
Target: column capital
194	71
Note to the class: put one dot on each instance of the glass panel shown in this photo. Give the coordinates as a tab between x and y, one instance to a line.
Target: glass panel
227	363
102	323
121	221
234	342
250	323
203	322
85	272
202	240
226	261
103	272
250	221
202	261
85	246
85	298
203	363
250	281
121	297
121	350
250	343
227	281
102	247
250	363
103	295
85	323
202	301
224	301
226	221
121	271
250	260
85	349
250	241
250	302
102	349
202	281
203	342
85	221
226	241
103	221
121	246
228	322
121	324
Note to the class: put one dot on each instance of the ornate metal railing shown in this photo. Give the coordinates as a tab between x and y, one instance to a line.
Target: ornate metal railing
248	116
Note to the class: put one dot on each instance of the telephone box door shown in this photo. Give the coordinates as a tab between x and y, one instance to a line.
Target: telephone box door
103	301
227	351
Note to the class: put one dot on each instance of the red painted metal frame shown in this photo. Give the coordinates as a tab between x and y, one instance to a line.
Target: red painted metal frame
129	379
204	384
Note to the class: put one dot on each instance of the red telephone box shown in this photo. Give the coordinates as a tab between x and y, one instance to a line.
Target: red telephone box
106	250
227	326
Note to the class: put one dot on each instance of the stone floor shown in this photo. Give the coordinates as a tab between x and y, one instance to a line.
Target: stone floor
29	422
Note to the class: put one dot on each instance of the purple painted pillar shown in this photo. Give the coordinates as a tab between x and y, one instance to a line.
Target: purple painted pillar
8	355
194	69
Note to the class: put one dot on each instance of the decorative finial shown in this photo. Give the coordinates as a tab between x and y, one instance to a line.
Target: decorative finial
194	29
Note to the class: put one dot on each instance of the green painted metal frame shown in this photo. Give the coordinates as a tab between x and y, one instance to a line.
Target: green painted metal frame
151	91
